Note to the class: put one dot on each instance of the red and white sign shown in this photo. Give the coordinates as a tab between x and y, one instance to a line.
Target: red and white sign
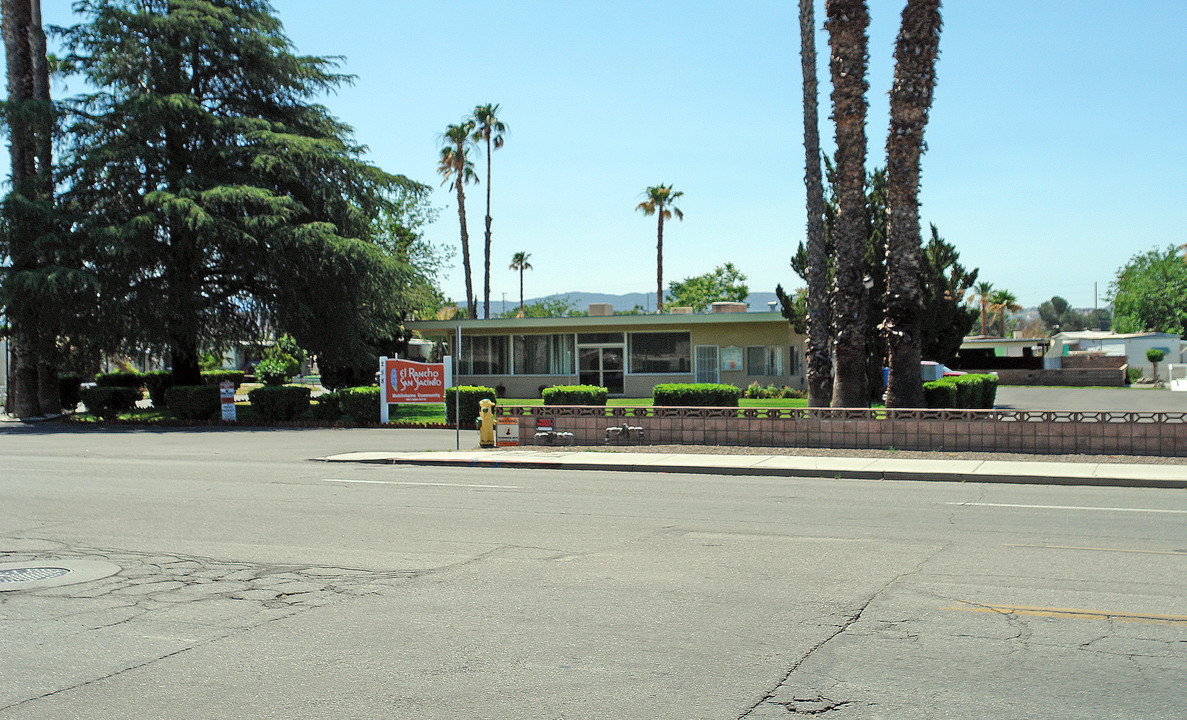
413	382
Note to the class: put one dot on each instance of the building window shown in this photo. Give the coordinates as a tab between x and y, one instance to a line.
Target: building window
764	360
484	355
603	338
796	364
658	353
543	354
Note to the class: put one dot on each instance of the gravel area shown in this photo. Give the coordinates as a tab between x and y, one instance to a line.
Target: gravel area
866	453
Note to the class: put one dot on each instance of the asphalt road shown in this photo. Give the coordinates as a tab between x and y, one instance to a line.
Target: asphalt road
1130	399
255	583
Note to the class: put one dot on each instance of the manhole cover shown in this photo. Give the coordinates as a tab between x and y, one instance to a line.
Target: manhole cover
53	572
28	574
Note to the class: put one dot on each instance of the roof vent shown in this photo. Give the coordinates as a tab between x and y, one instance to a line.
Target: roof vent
728	307
601	309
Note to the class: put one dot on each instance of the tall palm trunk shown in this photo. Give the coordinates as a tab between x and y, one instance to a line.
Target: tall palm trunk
486	284
819	355
910	101
471	306
659	263
25	147
846	25
521	288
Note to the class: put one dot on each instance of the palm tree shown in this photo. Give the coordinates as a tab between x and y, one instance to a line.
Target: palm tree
457	169
489	129
983	291
1004	301
910	101
846	25
819	356
659	202
519	261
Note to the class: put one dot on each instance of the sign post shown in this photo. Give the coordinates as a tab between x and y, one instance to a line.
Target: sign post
412	383
226	396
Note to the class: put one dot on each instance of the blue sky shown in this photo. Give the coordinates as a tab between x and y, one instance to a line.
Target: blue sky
1056	149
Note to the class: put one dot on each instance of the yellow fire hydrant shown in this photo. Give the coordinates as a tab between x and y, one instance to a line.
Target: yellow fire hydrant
486	419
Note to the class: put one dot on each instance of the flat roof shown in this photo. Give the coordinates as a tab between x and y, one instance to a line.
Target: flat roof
599	322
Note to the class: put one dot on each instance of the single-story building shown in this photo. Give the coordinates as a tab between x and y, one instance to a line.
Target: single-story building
1133	346
627	354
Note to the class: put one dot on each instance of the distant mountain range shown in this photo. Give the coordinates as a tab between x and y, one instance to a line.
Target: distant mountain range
581	301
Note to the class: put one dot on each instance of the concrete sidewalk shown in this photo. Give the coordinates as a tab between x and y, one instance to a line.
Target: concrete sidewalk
990	471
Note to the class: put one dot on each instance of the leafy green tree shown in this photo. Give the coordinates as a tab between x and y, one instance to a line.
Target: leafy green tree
519	261
725	284
911	95
208	181
659	203
1150	293
556	306
1058	315
399	230
456	168
1155	356
943	283
489	130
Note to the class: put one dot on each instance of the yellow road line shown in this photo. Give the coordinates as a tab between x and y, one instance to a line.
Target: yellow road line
1100	549
1072	613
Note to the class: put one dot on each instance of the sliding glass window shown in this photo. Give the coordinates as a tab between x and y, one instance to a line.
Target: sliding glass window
484	355
543	354
661	352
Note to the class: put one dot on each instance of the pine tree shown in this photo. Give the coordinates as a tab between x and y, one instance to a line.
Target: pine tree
210	185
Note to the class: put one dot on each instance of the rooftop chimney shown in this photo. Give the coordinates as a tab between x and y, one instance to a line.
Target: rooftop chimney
727	307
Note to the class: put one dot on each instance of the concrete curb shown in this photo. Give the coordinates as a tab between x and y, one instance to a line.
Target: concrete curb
1014	473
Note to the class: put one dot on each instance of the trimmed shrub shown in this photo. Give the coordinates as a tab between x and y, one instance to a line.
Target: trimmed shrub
989	391
214	377
276	371
1133	375
279	402
193	402
575	395
120	379
968	391
360	403
107	402
470	396
939	394
157	383
793	394
695	395
69	387
327	407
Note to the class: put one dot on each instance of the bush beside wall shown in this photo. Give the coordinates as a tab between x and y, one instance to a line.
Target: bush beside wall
279	402
575	395
107	402
695	395
193	402
360	403
120	379
470	396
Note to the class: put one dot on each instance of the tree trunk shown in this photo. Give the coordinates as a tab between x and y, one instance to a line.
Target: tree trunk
521	290
184	356
846	25
819	360
486	284
910	101
659	263
471	304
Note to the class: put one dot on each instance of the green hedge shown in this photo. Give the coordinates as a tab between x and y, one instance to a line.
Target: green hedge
575	395
968	391
120	379
193	402
989	391
214	377
106	402
158	383
69	387
360	403
279	402
939	394
470	397
327	406
695	395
